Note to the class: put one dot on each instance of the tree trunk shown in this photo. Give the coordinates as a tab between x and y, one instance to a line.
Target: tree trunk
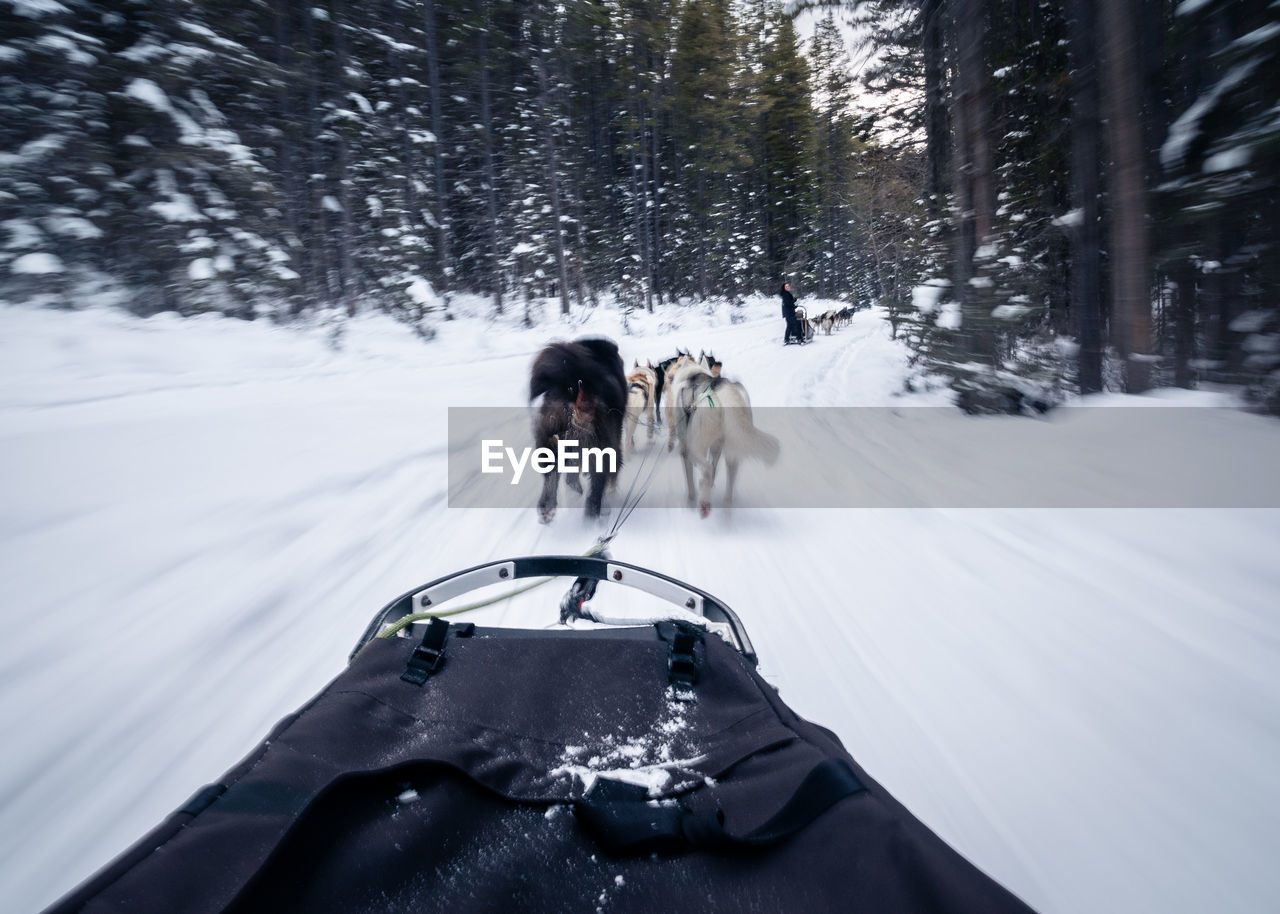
444	254
937	141
288	165
1130	241
655	186
974	179
1184	325
346	273
1086	237
551	160
490	172
317	241
409	159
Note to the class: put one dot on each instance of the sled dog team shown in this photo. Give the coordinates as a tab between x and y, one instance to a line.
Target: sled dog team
833	320
587	395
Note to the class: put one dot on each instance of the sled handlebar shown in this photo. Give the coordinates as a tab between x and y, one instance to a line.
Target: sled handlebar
424	599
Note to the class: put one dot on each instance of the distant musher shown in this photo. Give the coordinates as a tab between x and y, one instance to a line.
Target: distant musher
793	331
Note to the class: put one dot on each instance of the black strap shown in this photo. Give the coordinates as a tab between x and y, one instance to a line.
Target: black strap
830	780
687	655
624	819
618	815
428	655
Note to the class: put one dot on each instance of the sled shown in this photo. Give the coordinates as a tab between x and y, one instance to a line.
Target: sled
806	325
624	765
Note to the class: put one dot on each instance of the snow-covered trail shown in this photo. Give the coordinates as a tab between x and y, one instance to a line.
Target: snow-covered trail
1082	702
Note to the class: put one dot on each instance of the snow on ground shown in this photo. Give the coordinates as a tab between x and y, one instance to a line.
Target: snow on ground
199	517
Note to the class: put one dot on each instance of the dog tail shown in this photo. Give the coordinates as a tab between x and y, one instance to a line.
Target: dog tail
744	439
555	373
751	442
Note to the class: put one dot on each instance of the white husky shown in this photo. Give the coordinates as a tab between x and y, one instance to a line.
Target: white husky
714	418
680	375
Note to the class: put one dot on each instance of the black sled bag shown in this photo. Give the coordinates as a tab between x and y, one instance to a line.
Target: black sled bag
638	769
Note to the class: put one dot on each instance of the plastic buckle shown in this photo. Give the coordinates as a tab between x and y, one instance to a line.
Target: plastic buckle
428	655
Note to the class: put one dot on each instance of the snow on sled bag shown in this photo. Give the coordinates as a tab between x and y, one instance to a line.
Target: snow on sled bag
455	768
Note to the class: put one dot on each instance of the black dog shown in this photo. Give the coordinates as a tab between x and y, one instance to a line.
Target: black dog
584	396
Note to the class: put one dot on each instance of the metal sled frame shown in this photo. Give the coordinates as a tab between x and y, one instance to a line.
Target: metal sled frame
592	569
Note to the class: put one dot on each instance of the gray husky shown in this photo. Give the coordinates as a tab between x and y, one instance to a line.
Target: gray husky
713	418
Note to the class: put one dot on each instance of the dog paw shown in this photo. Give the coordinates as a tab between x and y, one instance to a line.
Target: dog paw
704	509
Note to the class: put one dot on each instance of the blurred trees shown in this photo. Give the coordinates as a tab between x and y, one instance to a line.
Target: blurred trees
1103	181
1217	194
1045	194
275	157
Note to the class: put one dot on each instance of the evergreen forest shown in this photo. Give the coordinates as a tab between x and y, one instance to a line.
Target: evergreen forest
1051	195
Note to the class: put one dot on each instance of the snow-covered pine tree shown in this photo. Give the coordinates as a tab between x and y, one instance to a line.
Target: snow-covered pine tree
788	147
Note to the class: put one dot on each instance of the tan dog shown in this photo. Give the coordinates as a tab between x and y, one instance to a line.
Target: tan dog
661	370
641	384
